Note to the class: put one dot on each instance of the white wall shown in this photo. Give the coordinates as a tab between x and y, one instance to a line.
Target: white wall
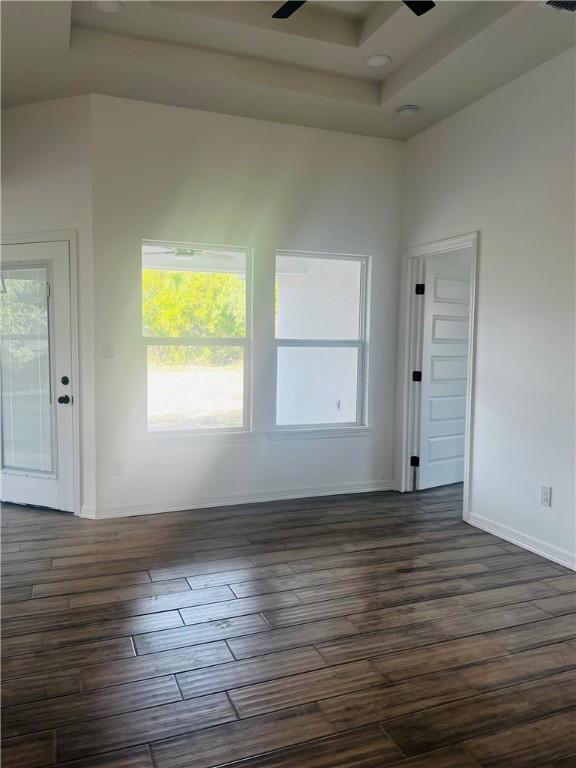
46	186
505	166
164	173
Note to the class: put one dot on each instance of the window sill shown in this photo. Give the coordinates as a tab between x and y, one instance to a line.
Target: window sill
319	433
232	436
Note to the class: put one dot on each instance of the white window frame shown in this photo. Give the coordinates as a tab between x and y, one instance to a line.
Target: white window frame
361	344
244	342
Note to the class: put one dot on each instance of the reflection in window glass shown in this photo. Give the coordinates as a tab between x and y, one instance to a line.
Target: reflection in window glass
316	385
320	339
317	297
193	292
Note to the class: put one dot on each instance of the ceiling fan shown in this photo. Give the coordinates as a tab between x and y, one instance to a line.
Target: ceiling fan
287	9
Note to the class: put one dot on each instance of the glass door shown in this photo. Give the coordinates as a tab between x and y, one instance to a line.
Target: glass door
36	390
27	413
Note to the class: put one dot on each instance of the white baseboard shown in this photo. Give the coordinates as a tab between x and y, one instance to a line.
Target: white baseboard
558	555
224	501
89	512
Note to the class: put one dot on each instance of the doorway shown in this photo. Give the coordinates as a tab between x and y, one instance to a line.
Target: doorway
37	375
438	364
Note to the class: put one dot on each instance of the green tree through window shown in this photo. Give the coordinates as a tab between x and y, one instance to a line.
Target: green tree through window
193	304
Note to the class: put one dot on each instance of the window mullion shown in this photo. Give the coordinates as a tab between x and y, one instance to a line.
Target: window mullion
318	343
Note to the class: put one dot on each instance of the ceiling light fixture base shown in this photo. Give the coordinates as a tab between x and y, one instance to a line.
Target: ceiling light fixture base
106	6
378	60
407	111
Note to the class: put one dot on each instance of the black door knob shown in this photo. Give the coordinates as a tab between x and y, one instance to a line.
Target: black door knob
64	399
65	380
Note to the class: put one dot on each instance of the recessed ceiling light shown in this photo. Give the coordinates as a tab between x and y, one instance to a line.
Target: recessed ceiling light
107	6
407	110
379	60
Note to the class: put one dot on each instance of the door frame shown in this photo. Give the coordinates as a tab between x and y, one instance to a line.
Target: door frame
410	337
71	237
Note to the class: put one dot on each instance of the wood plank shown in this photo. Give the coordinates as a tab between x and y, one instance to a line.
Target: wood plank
521	667
139	757
517	593
290	637
290	556
32	751
74	657
491	620
191	568
383	581
245	738
146	605
366	748
37	687
48	575
558	605
528	745
152	642
239	575
452	757
388	701
47	715
563	762
563	583
12	594
281	583
122	594
424	731
9	547
305	688
235	674
89	584
552	630
465	553
147	725
434	658
404	615
240	607
377	643
25	566
154	665
41	605
103	630
301	614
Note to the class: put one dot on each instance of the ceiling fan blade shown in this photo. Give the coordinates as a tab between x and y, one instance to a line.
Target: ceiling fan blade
286	10
419	8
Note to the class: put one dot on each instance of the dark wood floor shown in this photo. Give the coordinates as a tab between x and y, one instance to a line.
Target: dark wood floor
349	632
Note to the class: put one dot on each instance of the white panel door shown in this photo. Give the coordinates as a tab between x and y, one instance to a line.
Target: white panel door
444	369
35	375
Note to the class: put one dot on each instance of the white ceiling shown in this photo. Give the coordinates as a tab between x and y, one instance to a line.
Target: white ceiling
231	56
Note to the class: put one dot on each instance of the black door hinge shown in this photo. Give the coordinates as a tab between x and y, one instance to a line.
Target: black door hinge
414	461
419	289
416	375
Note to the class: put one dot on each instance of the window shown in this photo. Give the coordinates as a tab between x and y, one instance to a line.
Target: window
27	429
195	321
320	340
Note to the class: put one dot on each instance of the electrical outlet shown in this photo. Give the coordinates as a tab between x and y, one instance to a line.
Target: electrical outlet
546	495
